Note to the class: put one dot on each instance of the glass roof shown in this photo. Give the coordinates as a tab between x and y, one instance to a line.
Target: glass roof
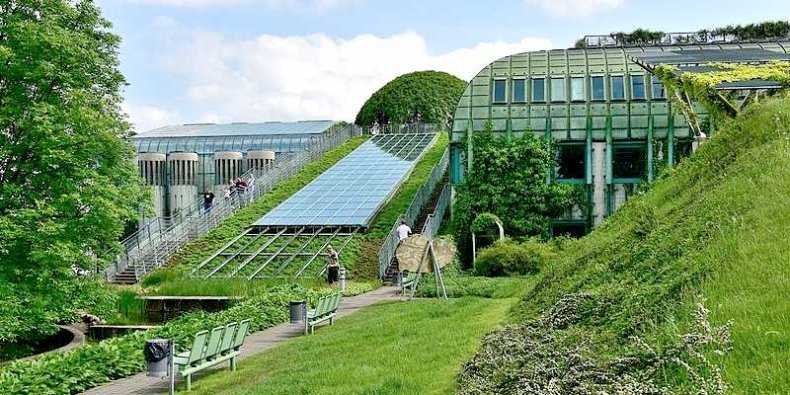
238	129
701	57
351	192
210	145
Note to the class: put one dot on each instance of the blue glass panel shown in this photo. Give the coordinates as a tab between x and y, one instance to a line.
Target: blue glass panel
350	192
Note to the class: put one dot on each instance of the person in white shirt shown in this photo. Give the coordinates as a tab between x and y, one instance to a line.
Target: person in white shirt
403	231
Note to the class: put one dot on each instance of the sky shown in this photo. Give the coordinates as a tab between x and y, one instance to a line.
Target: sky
189	61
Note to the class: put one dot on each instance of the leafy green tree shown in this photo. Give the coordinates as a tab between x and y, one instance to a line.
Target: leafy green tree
508	179
67	175
423	96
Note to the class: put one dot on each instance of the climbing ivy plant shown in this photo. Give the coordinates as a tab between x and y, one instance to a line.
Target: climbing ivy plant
508	180
683	88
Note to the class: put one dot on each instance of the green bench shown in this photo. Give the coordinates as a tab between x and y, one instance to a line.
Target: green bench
211	348
407	281
325	310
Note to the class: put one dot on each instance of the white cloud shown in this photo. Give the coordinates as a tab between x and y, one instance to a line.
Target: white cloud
146	117
574	8
298	5
309	77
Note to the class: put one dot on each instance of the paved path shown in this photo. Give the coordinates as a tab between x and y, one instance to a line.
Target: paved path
255	343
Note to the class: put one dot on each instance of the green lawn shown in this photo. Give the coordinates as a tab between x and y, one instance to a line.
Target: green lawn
411	347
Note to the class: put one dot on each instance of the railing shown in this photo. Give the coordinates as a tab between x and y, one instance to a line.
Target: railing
409	128
423	195
434	220
154	244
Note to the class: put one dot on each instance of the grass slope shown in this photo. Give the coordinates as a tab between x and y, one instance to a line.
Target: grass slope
198	250
715	229
390	348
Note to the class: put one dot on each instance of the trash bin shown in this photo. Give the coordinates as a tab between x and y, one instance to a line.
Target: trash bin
156	352
298	311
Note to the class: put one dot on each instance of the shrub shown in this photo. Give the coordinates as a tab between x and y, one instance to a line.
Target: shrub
94	364
508	258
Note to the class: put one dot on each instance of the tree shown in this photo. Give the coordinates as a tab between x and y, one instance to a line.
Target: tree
68	181
508	179
423	96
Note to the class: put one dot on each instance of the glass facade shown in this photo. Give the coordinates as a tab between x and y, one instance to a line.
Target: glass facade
598	92
499	91
618	87
558	89
538	90
658	89
637	87
519	91
350	193
577	89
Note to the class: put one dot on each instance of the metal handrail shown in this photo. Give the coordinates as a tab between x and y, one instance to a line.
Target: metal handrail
154	245
423	195
434	220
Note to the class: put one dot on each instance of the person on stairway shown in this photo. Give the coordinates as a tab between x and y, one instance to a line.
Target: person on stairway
404	231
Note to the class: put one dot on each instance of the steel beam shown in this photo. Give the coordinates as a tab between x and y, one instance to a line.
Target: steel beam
258	251
271	258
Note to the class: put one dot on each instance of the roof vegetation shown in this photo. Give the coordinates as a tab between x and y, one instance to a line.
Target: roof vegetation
423	96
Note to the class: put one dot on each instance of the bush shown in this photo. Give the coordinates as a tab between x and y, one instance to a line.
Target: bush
94	364
508	258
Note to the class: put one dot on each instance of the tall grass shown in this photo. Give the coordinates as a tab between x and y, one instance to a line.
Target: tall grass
716	228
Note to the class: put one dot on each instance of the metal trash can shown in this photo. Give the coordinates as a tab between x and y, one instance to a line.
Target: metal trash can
298	310
156	356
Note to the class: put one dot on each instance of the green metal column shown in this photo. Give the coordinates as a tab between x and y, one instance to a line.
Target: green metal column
508	129
469	155
650	149
548	142
671	141
609	172
588	152
456	177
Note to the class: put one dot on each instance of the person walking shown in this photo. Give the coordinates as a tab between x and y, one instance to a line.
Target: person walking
332	266
208	200
404	231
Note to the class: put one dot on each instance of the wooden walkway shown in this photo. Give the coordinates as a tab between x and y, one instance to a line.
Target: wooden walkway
255	343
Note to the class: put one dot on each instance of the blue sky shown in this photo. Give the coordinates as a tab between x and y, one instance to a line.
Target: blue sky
257	60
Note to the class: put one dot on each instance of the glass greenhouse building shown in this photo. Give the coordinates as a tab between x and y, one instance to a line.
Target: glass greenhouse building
181	161
610	119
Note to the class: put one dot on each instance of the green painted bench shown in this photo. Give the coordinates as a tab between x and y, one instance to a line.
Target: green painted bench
325	310
211	348
407	281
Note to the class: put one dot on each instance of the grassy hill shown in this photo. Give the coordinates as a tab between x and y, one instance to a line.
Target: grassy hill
610	314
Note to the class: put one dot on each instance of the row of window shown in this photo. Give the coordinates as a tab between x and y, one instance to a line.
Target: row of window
629	161
557	89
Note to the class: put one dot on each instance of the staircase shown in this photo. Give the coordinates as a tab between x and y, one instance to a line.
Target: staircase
430	207
391	272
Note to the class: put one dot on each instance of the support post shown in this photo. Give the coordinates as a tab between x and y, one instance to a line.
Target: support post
671	141
650	149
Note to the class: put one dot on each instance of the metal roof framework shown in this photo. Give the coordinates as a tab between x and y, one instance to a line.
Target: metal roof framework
208	138
276	253
288	241
734	96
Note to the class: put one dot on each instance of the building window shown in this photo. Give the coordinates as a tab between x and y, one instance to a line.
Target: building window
499	91
570	162
637	87
618	88
574	229
519	91
629	161
577	89
558	89
539	90
658	89
598	93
